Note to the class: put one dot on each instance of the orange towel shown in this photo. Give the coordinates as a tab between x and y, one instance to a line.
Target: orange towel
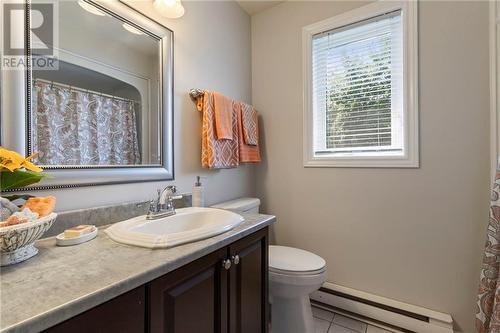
216	154
247	153
41	205
223	116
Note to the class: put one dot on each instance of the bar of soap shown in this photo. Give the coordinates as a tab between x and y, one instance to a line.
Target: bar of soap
78	230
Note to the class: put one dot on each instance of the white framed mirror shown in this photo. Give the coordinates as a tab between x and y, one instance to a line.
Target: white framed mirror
104	113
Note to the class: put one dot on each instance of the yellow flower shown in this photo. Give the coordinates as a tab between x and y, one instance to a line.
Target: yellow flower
30	166
12	161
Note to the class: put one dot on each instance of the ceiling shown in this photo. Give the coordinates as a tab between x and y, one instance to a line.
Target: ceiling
76	23
257	6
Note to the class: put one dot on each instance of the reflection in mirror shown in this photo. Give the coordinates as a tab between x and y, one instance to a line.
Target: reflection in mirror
102	106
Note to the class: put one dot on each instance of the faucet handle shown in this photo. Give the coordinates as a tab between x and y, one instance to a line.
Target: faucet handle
153	206
173	196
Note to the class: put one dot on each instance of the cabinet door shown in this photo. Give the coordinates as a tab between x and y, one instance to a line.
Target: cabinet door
191	299
123	314
248	280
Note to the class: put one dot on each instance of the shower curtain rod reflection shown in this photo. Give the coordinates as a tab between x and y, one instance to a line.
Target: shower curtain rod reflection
62	85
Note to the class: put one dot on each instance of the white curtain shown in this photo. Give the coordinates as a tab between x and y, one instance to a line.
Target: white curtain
72	127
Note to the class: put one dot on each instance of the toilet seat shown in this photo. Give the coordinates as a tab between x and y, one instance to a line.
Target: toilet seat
295	273
284	260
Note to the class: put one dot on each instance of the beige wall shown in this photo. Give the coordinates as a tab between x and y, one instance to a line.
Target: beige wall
413	235
209	52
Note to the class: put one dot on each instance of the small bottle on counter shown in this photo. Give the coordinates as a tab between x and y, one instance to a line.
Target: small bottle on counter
198	199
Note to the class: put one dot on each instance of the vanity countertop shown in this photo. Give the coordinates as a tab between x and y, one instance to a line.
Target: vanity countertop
62	282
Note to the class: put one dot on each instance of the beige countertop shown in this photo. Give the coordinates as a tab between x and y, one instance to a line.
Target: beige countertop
61	282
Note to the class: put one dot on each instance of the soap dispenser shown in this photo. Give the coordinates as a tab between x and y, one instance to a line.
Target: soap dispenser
198	199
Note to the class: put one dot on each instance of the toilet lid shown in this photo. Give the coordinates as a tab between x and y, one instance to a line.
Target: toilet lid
289	259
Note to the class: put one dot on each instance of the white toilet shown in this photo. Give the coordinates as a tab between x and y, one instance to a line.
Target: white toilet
293	275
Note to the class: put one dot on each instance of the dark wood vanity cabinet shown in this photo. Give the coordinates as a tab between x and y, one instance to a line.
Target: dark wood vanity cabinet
225	291
191	299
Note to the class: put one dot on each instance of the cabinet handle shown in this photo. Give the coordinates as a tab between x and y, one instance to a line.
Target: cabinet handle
235	259
226	264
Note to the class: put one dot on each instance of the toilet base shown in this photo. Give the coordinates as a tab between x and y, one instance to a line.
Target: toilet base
291	315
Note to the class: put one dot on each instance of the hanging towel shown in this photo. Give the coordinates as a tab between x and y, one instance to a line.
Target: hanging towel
247	153
216	154
250	124
488	299
223	116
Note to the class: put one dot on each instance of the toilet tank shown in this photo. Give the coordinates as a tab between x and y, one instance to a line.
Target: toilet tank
241	205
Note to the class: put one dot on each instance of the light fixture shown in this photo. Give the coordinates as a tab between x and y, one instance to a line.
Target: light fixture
91	9
131	29
169	8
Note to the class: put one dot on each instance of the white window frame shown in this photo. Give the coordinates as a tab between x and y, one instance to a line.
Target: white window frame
410	157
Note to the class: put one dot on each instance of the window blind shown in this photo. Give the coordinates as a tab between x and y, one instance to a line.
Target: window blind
358	87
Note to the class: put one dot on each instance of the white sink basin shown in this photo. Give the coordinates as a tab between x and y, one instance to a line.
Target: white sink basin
188	225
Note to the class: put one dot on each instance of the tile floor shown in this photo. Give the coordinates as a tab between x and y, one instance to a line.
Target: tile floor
330	322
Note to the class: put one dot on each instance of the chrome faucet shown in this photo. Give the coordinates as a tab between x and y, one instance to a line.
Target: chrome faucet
163	206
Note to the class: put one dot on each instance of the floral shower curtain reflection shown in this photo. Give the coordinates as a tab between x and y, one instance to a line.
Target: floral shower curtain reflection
73	127
488	304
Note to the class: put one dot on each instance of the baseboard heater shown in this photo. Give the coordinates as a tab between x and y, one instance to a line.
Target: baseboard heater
381	310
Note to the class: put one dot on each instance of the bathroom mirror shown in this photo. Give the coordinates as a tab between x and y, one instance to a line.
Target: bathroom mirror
104	113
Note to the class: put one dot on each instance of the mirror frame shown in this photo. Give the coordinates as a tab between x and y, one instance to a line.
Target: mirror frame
16	109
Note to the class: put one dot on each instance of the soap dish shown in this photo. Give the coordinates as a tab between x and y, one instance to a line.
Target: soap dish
62	241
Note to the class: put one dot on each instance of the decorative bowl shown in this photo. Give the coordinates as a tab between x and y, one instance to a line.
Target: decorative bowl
17	241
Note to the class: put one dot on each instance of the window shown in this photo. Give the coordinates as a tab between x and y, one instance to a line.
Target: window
360	88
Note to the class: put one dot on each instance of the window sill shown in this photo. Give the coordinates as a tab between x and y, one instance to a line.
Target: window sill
362	162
